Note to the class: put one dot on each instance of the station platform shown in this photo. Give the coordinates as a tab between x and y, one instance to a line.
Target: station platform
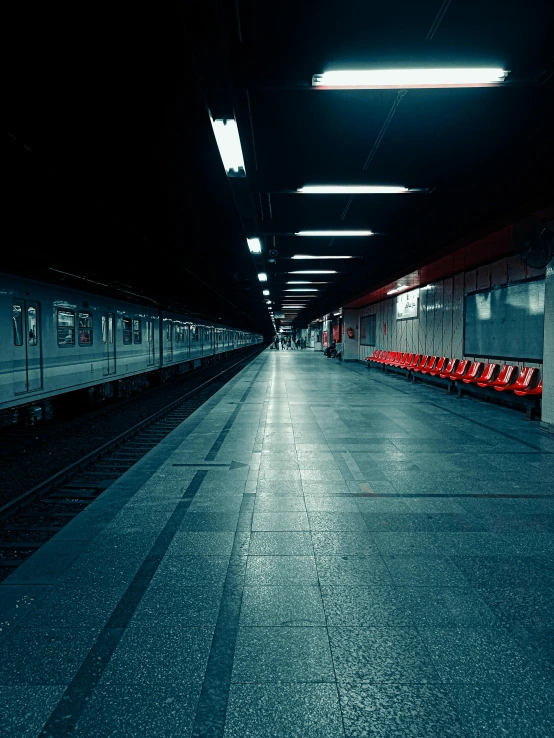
319	551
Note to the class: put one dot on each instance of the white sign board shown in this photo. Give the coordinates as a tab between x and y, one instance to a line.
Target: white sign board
407	305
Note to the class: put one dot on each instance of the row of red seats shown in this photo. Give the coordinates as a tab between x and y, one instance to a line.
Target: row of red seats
500	378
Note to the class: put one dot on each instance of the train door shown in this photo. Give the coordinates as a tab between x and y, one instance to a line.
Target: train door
169	340
27	370
108	343
151	342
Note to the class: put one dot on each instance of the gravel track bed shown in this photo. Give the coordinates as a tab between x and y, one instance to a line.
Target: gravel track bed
50	455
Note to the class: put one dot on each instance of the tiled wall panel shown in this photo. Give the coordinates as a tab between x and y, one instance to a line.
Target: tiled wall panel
439	328
548	374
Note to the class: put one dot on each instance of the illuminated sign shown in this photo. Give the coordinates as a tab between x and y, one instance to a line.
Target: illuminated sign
407	305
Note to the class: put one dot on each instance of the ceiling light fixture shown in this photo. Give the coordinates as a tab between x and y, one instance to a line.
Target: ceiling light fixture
254	245
352	190
313	256
228	142
262	276
334	234
369	79
302	289
315	271
265	292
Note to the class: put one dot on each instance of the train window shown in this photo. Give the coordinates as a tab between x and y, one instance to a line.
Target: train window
149	331
195	334
168	331
137	331
66	328
85	329
17	325
32	325
127	331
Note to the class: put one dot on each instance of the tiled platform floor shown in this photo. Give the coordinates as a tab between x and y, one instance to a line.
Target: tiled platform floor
320	551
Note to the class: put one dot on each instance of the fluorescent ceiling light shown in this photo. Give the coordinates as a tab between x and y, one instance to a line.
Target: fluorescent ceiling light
301	281
315	271
262	276
402	78
228	142
399	289
268	302
265	292
309	256
352	190
335	234
302	289
254	245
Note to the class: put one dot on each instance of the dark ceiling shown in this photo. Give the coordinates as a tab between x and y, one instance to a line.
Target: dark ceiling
113	173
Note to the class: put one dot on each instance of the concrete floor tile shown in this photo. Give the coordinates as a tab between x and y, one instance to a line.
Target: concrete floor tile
352	570
279	503
480	656
201	543
137	711
291	605
271	543
329	543
25	709
178	605
358	607
336	521
424	571
44	656
159	656
504	709
399	711
280	521
381	655
291	710
281	570
284	654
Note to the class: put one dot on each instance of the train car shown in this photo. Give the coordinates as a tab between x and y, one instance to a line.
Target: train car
55	339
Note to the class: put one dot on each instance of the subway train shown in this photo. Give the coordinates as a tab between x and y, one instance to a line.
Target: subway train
55	340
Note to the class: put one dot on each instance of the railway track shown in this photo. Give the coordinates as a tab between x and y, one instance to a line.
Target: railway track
31	519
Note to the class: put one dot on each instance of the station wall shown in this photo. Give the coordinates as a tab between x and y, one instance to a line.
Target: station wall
438	330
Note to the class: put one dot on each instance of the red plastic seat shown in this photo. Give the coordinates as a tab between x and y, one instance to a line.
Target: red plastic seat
373	356
460	371
414	362
408	361
380	355
506	374
400	362
385	356
534	392
442	369
399	359
394	355
431	364
472	372
485	376
522	382
422	364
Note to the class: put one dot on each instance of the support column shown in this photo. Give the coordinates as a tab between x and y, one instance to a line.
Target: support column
547	420
350	321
